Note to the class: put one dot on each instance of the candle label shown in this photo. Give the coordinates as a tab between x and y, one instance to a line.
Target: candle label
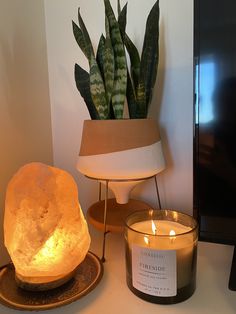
154	271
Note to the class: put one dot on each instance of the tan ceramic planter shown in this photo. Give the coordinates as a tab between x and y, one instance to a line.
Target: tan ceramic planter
120	149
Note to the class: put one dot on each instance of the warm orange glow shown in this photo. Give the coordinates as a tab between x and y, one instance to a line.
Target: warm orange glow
51	250
175	216
44	227
172	236
146	240
154	228
172	233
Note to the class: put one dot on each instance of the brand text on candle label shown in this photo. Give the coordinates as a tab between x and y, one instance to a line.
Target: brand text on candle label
154	271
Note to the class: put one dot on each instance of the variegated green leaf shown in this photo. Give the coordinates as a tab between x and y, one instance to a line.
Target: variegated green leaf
120	82
118	7
83	85
122	20
132	81
100	55
150	53
87	40
131	98
109	64
80	39
134	60
141	101
97	90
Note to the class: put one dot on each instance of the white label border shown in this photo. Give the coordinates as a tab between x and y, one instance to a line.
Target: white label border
154	271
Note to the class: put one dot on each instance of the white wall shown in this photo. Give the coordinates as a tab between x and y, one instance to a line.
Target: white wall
25	121
173	99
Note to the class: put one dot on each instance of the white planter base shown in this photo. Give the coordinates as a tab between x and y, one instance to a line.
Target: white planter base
122	189
130	164
128	150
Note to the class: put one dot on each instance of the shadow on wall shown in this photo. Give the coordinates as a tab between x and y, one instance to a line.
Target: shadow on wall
14	126
25	122
158	93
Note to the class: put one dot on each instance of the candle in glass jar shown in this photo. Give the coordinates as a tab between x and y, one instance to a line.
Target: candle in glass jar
184	246
162	255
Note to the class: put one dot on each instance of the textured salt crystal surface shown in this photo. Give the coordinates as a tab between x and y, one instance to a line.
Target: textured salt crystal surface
44	228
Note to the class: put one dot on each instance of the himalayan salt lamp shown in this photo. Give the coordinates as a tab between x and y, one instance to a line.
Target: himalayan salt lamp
45	231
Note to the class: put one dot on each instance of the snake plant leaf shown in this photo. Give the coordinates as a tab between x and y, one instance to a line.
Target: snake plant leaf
100	55
134	60
118	7
150	55
120	81
122	20
83	86
131	98
80	39
87	40
141	112
109	64
97	90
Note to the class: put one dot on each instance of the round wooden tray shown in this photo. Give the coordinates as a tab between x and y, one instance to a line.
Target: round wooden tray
116	213
87	277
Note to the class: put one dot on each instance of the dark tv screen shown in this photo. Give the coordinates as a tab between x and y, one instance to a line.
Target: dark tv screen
215	119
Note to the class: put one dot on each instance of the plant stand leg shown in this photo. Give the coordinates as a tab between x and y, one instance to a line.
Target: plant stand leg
100	192
157	190
105	224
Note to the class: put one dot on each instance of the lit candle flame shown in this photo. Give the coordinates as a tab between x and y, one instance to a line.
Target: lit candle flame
172	235
146	240
154	228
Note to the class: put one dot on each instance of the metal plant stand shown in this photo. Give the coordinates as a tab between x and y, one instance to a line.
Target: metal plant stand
107	181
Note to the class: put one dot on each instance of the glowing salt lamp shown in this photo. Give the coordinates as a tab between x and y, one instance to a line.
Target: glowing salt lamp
45	231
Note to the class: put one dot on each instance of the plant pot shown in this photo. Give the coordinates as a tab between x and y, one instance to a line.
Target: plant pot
128	149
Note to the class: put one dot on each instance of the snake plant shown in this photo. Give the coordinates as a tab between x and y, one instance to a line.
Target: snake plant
109	82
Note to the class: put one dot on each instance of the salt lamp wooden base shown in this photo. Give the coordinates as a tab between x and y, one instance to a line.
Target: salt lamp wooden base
116	214
86	278
39	284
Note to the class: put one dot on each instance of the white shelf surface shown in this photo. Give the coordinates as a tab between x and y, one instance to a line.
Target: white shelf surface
112	295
